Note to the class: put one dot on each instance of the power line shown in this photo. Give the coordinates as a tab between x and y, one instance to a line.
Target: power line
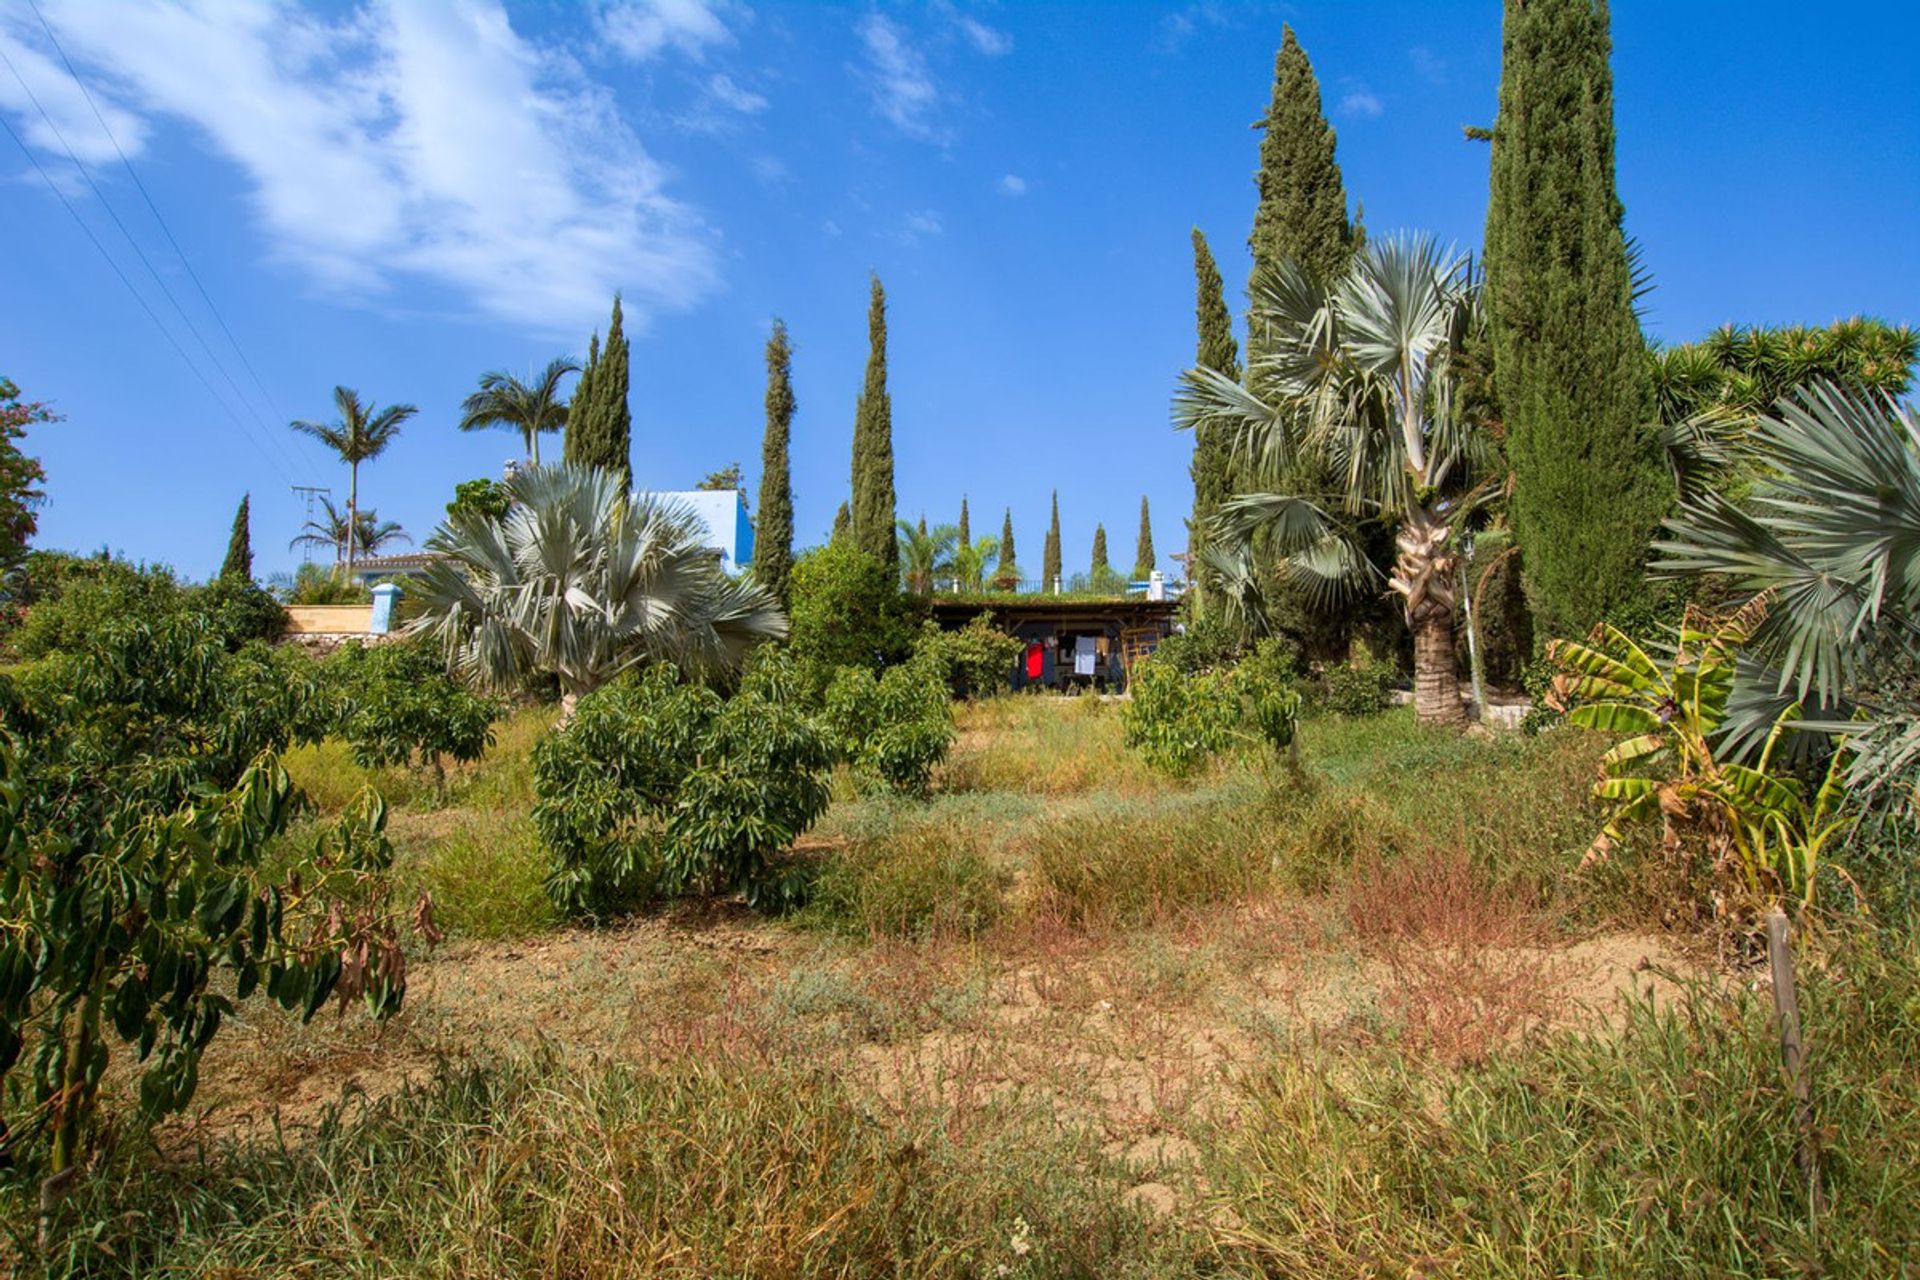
141	254
127	164
144	305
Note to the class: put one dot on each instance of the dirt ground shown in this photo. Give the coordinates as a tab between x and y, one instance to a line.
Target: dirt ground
1138	1035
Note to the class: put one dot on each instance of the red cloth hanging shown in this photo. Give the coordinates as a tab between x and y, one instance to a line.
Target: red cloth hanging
1036	660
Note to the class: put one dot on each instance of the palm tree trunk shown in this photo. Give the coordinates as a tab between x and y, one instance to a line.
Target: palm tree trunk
1423	574
1436	684
533	446
353	511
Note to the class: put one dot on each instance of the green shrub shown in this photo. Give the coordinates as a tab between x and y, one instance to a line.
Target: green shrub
118	937
846	610
977	659
141	717
1357	689
895	729
1208	641
397	705
79	597
483	497
1178	721
240	610
314	583
663	787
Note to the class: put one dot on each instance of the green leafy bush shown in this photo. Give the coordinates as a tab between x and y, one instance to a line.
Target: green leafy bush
846	610
977	659
895	729
315	583
76	597
1178	721
397	705
1208	642
1357	689
483	497
240	610
142	717
119	937
661	787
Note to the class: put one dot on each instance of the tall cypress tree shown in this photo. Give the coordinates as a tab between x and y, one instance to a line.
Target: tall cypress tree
1211	468
873	499
239	561
842	525
1050	554
1302	212
610	397
773	540
966	526
1143	557
1101	567
1007	558
599	423
1569	361
577	445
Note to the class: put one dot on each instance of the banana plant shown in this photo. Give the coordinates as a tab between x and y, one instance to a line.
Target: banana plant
1668	716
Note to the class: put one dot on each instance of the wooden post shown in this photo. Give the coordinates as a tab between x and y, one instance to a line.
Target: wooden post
1793	1055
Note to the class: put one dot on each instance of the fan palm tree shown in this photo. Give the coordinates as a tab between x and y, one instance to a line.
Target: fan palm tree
1829	542
925	554
365	531
1360	379
530	408
972	564
362	434
581	581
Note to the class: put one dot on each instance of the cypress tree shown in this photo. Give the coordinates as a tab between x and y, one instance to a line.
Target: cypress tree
1006	541
773	540
1211	468
1100	568
1569	362
239	561
842	525
966	528
1143	557
873	499
1050	554
1302	210
599	423
576	445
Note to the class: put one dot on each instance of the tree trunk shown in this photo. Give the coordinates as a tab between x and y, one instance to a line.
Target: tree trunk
1436	685
353	511
1423	573
533	446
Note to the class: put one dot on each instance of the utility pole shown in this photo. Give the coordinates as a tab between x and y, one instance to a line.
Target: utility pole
311	492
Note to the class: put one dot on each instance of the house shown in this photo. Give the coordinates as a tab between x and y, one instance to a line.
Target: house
724	513
1068	642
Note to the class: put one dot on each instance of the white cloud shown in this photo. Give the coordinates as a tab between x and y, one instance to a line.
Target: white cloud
920	224
1012	185
986	39
38	83
903	88
642	29
413	143
722	89
1430	65
1362	102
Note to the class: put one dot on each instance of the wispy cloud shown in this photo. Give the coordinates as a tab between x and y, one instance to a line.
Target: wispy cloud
1430	66
410	143
1012	185
1361	102
643	29
984	38
43	85
722	89
902	87
920	225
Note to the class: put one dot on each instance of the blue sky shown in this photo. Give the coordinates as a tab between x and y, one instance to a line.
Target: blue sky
400	196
